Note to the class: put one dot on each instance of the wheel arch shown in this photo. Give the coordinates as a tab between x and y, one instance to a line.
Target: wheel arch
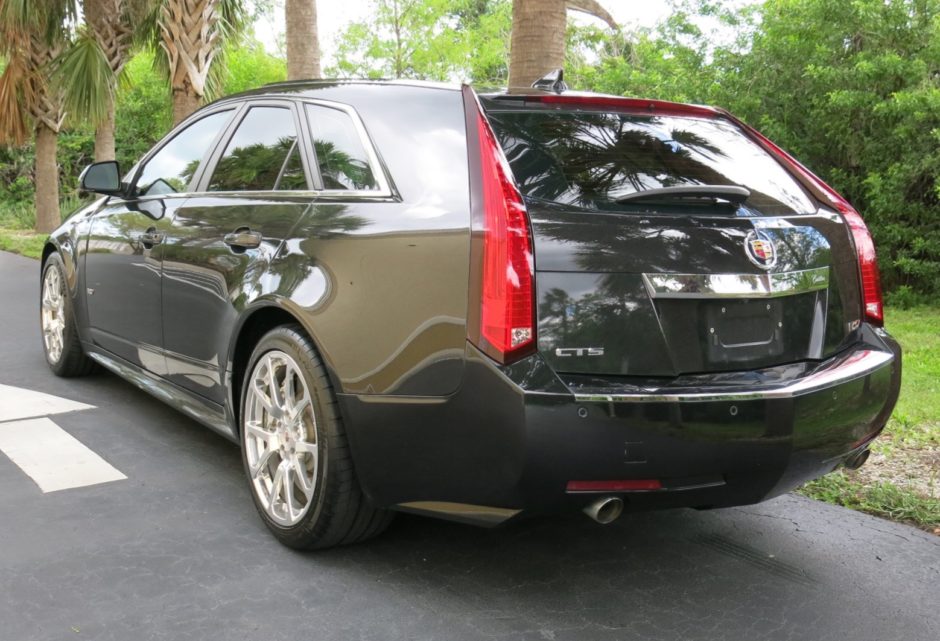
47	251
255	322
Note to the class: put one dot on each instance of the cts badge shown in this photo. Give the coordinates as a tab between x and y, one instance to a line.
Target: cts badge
760	249
565	352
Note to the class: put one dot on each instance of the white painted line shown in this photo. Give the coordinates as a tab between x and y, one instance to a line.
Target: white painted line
17	403
52	457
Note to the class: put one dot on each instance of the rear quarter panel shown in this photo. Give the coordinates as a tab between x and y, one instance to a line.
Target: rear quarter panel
383	282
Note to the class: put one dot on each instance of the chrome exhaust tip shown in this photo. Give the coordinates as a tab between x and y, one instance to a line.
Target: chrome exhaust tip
855	461
605	510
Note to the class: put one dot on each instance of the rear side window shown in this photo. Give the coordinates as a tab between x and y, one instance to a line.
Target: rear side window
172	168
591	159
262	154
341	156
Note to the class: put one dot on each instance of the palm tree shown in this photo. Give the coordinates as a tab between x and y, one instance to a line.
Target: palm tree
89	69
32	34
192	34
537	43
303	41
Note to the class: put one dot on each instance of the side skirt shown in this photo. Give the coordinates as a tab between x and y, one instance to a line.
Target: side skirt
209	414
481	515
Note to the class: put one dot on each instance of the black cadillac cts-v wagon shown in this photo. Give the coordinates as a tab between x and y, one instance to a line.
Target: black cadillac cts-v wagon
401	296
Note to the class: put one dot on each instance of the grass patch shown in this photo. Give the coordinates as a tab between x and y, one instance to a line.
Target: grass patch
23	242
906	450
17	215
883	499
916	419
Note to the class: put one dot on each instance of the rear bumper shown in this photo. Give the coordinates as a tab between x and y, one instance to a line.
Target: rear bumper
512	438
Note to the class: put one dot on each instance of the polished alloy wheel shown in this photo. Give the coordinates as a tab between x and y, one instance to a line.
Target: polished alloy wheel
280	433
53	313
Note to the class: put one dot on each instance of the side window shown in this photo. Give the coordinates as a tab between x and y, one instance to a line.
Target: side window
172	168
262	154
342	159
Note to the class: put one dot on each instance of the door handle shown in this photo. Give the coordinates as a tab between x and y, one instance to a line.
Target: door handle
242	238
151	237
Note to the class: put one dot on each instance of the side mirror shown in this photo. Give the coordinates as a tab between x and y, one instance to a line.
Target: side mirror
101	178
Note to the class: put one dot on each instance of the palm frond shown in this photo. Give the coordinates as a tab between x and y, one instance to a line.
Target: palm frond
13	124
146	16
85	76
17	14
233	21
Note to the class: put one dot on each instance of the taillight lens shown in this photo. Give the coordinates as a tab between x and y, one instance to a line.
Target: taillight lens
872	300
507	319
867	265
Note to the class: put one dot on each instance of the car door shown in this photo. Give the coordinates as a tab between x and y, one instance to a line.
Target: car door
220	242
125	245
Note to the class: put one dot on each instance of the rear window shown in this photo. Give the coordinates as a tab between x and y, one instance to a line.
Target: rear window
591	159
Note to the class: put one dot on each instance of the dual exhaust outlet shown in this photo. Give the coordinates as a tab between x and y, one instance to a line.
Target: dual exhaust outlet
605	510
856	460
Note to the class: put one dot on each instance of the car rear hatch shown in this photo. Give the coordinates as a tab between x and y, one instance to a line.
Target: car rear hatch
669	241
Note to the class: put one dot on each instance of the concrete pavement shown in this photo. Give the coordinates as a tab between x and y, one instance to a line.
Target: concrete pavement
176	551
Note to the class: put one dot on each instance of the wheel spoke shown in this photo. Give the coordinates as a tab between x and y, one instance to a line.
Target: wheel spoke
306	484
255	429
289	489
276	486
289	394
276	398
297	410
303	447
262	464
265	400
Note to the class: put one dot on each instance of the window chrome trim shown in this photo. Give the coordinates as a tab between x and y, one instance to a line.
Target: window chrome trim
843	370
671	286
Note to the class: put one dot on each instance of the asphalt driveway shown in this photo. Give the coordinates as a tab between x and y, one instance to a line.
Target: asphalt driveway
175	551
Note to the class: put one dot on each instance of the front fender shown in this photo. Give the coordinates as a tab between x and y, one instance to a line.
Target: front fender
70	241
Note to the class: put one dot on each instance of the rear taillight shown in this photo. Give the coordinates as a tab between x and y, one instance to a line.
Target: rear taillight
867	265
507	318
872	301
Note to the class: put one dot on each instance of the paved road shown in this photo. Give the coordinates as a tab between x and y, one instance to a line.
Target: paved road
176	551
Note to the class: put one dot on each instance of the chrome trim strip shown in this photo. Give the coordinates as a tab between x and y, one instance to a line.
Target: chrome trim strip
857	365
736	285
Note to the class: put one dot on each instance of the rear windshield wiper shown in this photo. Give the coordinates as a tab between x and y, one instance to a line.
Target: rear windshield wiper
730	193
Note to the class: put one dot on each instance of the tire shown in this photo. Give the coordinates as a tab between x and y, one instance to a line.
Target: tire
58	325
317	503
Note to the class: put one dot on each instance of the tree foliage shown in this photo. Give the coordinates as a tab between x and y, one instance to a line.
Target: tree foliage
428	40
853	88
850	88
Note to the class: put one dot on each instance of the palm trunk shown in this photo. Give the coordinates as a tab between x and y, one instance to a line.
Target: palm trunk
47	180
191	36
303	42
104	135
111	27
537	43
185	102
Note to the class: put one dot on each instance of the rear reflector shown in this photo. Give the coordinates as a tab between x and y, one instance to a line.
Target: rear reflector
872	300
630	485
507	318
